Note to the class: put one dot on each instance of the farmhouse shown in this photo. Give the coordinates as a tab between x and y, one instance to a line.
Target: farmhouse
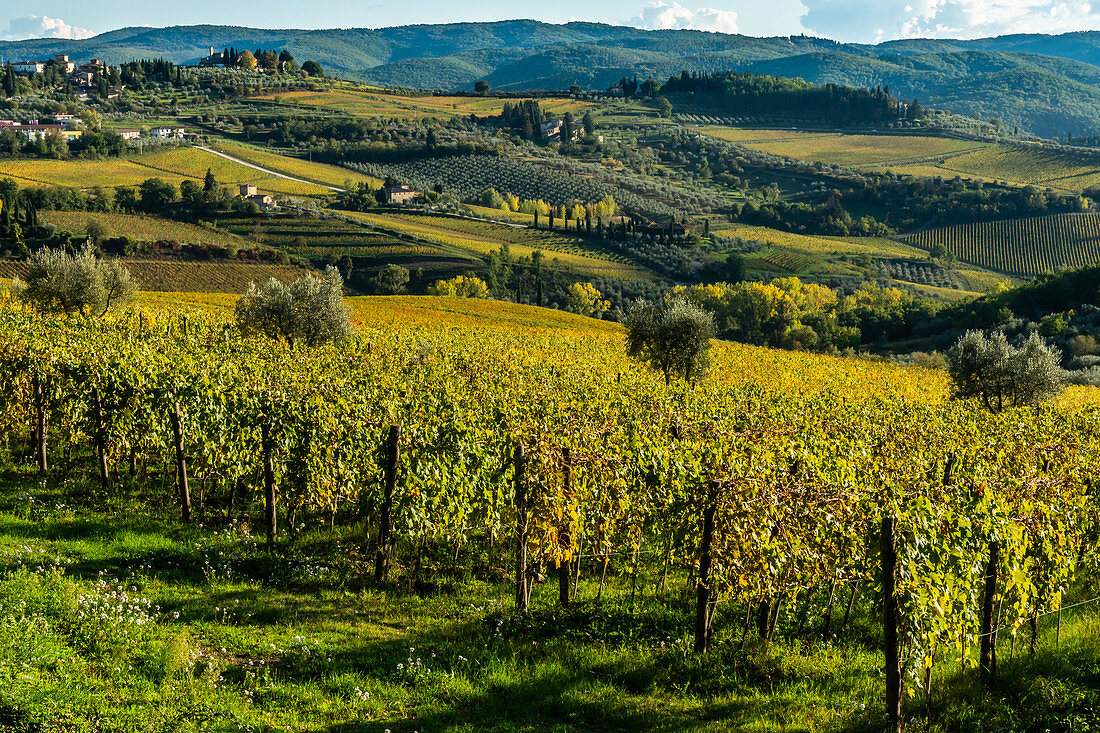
167	132
129	133
399	194
657	229
263	200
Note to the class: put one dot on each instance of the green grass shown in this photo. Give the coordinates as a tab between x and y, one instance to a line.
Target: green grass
231	639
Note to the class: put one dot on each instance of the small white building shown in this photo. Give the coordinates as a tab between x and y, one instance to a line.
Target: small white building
129	133
167	132
29	67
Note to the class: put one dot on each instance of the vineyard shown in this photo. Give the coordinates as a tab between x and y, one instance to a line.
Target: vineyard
483	237
466	176
1016	164
533	455
172	275
143	228
1022	247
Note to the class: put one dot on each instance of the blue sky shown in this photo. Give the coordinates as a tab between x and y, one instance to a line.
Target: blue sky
844	20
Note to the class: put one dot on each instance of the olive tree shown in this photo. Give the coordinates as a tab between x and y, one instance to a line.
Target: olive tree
59	282
1002	375
673	337
310	311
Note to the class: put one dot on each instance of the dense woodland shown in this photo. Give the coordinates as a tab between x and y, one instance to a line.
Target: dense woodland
777	97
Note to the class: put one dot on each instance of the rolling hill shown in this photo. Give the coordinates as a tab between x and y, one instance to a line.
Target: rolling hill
1046	84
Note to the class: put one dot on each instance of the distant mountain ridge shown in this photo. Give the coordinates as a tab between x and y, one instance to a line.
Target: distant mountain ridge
1048	84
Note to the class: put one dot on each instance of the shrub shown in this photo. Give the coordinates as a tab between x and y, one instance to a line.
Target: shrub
391	279
57	282
1002	375
310	310
672	337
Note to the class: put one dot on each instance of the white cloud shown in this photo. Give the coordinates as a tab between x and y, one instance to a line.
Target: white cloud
876	20
42	26
662	15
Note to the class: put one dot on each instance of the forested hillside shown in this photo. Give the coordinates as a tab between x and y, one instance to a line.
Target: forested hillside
1049	85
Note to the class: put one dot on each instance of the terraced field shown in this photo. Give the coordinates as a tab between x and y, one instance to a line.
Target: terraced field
484	237
1021	247
181	275
143	228
376	103
320	238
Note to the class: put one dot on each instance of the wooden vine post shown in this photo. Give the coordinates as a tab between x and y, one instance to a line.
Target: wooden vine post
381	560
890	623
40	424
703	615
101	438
521	532
269	482
181	460
987	661
564	540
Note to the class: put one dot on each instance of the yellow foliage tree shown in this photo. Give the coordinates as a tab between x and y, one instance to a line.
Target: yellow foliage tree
585	299
460	287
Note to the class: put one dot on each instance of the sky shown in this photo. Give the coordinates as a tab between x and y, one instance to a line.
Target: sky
865	21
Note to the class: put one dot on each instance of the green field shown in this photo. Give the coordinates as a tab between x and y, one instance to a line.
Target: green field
1021	247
